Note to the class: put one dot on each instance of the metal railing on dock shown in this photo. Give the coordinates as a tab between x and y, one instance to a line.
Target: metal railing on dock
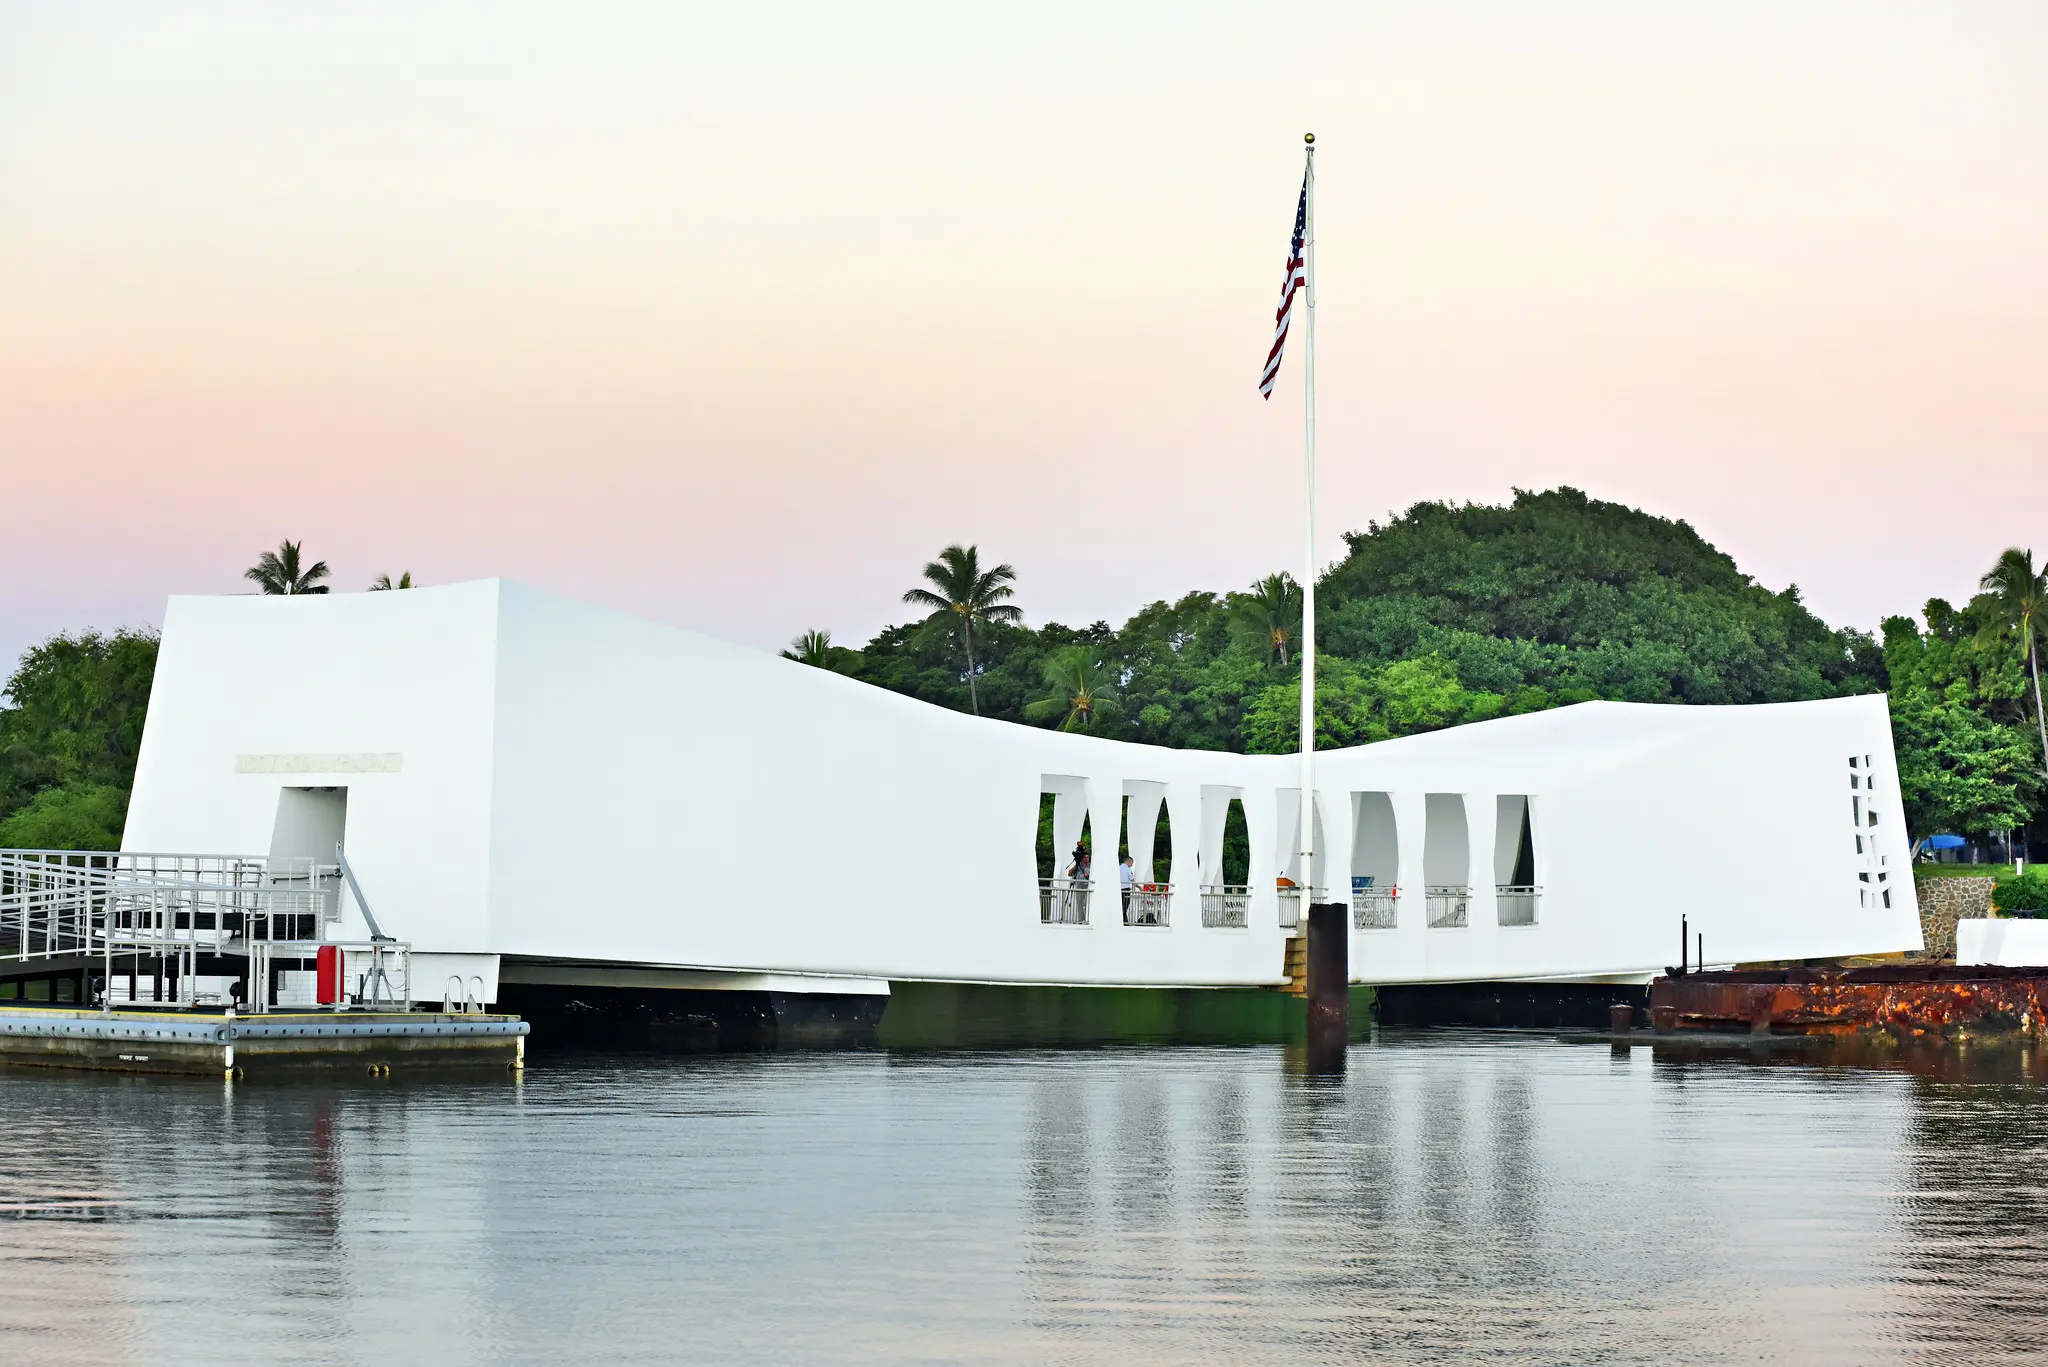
153	921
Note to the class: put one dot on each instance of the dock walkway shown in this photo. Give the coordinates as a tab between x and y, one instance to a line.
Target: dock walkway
231	1046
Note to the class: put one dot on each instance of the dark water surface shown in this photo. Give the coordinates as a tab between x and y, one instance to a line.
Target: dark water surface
1450	1199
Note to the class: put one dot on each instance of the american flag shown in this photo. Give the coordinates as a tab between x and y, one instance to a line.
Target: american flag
1297	277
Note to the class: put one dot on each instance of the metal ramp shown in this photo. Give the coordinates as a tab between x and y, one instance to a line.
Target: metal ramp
190	930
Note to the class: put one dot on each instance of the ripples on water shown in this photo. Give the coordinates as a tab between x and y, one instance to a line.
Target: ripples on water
1450	1199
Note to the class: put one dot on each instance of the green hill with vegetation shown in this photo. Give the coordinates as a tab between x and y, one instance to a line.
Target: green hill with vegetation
1446	614
1450	614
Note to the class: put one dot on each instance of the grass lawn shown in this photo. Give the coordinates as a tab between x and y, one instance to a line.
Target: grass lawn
1923	872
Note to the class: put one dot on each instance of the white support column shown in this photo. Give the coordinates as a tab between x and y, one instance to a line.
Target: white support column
1482	817
1411	934
1483	943
1145	805
1105	822
1184	819
1069	810
1333	844
1215	814
1287	853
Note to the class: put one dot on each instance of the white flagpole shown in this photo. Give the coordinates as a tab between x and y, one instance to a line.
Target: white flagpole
1308	579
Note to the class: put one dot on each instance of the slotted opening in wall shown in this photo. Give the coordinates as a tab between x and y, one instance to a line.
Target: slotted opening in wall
310	824
1446	861
1223	860
1147	841
1516	888
1375	852
1873	876
1065	847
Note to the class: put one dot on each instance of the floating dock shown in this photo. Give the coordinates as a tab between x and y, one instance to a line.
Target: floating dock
228	1045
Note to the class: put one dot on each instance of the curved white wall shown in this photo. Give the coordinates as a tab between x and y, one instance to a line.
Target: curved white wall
577	784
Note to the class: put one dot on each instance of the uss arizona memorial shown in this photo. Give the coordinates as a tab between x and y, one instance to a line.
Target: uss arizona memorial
544	792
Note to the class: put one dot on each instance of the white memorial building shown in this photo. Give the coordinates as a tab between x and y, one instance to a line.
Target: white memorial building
560	794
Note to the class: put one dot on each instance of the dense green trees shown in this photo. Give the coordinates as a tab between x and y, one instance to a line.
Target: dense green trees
1271	616
1968	761
1445	615
68	739
1080	691
2010	606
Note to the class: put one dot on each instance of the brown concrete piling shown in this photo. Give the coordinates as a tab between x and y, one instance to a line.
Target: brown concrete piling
1329	984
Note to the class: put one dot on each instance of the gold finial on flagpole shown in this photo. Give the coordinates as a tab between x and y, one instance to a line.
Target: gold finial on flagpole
1309	138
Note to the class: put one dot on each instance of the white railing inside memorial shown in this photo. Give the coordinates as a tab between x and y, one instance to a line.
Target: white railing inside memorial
1291	904
1374	908
1446	904
1063	901
1517	903
1147	905
1226	906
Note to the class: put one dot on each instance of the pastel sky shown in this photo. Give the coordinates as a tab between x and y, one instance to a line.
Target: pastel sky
732	315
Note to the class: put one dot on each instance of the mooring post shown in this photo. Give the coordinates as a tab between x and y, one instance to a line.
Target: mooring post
1329	981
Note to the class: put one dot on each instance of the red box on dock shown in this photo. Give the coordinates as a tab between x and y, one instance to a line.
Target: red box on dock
327	975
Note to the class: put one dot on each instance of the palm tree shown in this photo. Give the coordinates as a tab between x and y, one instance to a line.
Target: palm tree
812	648
1081	689
963	593
1271	613
278	571
2014	598
383	582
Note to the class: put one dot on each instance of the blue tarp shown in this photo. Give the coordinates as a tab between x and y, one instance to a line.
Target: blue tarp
1945	842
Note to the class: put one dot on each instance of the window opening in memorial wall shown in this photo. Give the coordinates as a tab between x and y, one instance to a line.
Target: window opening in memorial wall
1065	844
1225	863
1446	861
1375	852
1873	877
1516	891
1144	891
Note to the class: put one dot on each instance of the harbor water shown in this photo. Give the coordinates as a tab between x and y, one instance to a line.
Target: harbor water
1446	1198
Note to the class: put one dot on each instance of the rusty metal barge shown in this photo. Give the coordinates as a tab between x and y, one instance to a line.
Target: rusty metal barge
1903	1001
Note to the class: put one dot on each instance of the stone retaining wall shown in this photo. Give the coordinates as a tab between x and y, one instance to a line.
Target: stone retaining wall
1943	902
